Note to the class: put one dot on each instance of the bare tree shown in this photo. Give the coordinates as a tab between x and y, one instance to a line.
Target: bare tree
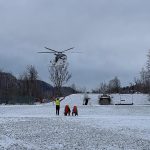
148	61
59	75
29	81
103	88
144	81
148	71
114	85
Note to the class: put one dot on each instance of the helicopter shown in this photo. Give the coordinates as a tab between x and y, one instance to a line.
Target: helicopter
59	55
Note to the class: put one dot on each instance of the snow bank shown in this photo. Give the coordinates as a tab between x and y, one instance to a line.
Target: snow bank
137	99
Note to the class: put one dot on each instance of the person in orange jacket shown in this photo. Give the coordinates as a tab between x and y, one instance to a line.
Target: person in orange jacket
75	111
67	110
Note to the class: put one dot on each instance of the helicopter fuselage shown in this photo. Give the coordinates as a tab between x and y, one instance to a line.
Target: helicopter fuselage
60	56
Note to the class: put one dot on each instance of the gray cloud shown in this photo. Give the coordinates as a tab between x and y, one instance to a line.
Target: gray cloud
114	37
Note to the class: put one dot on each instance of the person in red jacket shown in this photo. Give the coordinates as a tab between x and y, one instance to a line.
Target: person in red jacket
75	111
67	110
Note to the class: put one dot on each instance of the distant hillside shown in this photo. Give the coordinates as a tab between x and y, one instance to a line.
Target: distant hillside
45	89
13	90
50	90
8	83
67	91
7	79
44	85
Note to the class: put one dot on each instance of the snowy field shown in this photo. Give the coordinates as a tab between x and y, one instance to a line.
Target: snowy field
113	127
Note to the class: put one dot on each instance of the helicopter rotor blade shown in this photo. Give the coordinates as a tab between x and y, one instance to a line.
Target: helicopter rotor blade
77	52
51	49
67	49
45	52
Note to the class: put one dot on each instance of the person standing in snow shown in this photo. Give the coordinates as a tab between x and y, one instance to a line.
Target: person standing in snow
85	99
67	110
75	111
57	102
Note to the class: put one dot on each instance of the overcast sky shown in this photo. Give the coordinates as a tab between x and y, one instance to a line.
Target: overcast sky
114	36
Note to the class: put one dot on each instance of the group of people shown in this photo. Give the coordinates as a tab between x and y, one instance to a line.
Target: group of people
67	110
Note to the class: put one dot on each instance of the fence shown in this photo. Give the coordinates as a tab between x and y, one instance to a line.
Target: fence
17	100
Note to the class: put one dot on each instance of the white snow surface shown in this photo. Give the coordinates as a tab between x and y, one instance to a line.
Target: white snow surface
98	127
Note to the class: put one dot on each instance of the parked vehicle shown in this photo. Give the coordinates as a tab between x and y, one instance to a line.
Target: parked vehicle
104	99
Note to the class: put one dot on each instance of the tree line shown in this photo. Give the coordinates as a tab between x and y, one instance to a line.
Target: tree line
25	89
113	86
139	85
142	84
29	89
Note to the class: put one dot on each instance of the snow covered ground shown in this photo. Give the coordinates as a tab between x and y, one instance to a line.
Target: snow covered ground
113	127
